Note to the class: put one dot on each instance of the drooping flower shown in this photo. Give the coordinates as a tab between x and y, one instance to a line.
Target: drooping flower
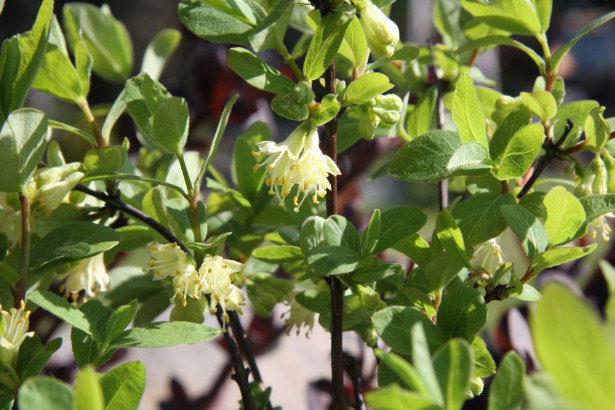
167	260
89	275
297	161
187	283
381	32
595	181
53	184
216	278
14	326
299	317
311	171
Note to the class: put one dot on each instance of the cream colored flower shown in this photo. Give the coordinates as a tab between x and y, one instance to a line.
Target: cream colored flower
299	317
216	277
167	260
14	328
381	32
488	256
89	275
311	171
280	158
187	283
600	226
53	184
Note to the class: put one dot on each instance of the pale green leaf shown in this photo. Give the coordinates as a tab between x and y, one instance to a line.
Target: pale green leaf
158	52
506	392
258	73
468	113
325	44
365	88
162	334
45	393
563	215
123	386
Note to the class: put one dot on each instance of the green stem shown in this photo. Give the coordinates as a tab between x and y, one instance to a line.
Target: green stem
186	175
87	111
24	262
290	61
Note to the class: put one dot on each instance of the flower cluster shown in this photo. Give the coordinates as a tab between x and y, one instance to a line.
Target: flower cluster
488	257
14	326
88	275
214	277
297	161
382	110
595	181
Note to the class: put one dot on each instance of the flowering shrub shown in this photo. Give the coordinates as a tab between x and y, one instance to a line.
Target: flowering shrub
415	294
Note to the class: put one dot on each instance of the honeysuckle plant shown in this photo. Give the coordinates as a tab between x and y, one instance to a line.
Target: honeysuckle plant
279	236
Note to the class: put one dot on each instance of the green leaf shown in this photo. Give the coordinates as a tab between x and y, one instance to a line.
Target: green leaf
64	310
520	152
334	260
365	88
378	271
325	44
258	73
406	53
278	254
106	39
338	231
597	131
577	111
57	76
423	117
405	374
88	394
123	386
394	325
559	55
440	270
453	364
328	109
397	224
248	181
22	144
468	113
558	256
504	133
120	319
83	65
158	52
395	398
369	237
528	228
563	215
318	301
480	218
354	46
143	97
543	12
45	393
170	123
541	103
33	356
609	275
579	358
597	205
449	235
422	362
222	21
506	41
115	112
269	33
162	334
506	392
518	17
215	142
70	242
484	365
20	59
437	155
311	236
462	313
8	273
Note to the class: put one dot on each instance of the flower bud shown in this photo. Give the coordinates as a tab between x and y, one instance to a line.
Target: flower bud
381	32
368	121
599	186
54	183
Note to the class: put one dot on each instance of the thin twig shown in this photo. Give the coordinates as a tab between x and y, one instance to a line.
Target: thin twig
337	291
87	111
352	367
552	150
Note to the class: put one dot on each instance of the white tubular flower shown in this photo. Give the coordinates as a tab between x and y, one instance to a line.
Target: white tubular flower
167	260
381	32
14	326
55	183
311	171
279	160
89	275
597	178
488	256
600	226
187	283
216	276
